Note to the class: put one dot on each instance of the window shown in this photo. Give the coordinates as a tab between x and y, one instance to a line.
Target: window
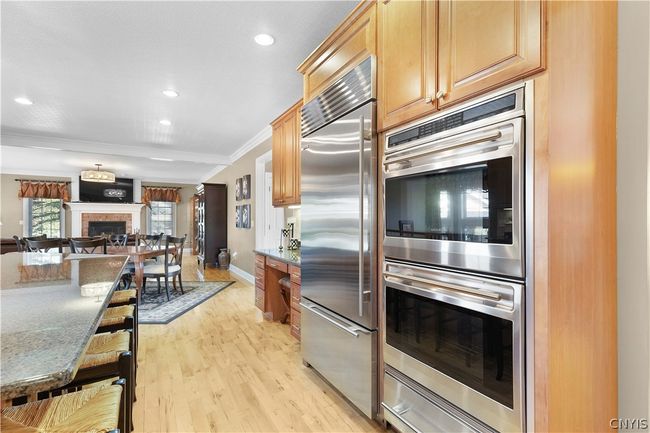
45	217
162	217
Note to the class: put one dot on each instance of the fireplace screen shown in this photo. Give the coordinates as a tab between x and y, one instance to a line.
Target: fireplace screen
98	228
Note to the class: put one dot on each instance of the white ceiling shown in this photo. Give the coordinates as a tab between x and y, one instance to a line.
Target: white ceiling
95	71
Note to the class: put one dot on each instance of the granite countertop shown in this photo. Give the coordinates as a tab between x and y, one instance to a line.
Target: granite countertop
51	305
288	256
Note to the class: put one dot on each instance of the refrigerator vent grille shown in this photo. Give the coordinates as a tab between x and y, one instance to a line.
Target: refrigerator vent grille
351	91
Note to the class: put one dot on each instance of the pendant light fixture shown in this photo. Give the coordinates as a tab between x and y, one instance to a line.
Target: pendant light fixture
97	175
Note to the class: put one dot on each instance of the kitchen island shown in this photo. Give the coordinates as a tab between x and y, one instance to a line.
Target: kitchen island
272	265
51	306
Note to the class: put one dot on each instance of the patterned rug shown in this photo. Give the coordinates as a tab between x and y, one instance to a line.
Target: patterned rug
155	309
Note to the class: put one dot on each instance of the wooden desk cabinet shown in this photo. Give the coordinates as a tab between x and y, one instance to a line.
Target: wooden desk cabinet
268	272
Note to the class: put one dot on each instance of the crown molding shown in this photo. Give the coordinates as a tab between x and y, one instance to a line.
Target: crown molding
18	139
251	144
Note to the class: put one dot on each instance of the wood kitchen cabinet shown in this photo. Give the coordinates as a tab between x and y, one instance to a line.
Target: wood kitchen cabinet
485	44
351	42
286	157
406	55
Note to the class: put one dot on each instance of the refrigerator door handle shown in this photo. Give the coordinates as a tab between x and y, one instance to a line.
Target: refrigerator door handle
361	196
350	330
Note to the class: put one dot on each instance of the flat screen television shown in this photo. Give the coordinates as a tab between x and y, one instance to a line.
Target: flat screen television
121	191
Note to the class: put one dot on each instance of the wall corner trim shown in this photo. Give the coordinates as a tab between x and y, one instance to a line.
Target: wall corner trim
243	274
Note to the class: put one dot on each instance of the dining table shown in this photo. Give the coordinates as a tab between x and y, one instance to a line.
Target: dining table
50	307
138	254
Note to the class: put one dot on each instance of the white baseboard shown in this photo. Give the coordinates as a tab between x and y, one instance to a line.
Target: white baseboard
240	272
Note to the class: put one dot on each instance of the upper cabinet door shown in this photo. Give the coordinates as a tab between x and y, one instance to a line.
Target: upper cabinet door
485	44
291	158
277	164
406	52
352	42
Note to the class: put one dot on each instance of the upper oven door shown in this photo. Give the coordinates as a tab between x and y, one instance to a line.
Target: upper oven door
457	201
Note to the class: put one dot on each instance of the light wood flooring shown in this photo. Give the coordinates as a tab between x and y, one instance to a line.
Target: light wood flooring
221	367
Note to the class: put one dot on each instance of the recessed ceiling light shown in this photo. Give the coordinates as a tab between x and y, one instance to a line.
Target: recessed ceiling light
44	148
264	39
165	122
170	93
23	101
161	159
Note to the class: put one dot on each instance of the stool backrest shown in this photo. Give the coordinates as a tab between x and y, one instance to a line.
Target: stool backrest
88	246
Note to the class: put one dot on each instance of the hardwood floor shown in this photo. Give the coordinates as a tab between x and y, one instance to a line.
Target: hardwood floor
221	367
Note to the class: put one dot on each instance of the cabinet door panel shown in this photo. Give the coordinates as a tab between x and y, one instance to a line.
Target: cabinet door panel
485	44
277	164
291	144
406	59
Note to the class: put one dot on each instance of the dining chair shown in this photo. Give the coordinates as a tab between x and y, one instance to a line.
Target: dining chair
20	242
88	246
149	241
117	240
43	245
170	268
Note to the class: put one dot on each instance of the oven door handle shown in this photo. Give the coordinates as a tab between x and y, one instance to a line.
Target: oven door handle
488	136
474	292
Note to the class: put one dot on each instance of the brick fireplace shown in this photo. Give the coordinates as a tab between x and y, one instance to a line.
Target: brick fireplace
83	213
87	218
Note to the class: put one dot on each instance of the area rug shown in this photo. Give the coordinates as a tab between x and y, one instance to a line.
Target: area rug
155	309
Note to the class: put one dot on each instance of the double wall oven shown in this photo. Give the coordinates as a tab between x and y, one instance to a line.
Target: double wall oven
454	268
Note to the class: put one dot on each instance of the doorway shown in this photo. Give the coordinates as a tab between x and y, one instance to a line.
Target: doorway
270	220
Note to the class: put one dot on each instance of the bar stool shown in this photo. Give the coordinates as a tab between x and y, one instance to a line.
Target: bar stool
108	356
96	409
123	297
122	318
285	291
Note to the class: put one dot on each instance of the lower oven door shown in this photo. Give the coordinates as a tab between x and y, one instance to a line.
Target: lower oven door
460	337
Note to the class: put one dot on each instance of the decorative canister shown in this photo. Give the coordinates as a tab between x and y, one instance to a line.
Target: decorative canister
294	244
224	258
284	239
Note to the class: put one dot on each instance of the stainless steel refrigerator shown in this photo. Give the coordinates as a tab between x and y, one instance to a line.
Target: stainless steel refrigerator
339	230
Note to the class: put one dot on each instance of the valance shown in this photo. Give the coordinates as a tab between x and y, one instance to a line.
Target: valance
29	189
155	193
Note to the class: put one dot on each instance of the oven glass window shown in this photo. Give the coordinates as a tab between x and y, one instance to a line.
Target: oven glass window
470	347
471	203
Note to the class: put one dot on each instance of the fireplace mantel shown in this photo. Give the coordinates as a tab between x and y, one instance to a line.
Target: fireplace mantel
79	208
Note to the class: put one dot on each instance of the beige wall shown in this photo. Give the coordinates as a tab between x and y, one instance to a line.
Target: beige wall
11	207
183	210
241	241
633	210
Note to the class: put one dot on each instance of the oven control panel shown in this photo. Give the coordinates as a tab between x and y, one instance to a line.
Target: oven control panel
477	112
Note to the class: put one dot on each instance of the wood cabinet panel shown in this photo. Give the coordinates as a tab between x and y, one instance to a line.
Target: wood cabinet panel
259	298
346	47
406	53
295	296
259	277
260	261
286	157
276	264
295	323
485	44
294	271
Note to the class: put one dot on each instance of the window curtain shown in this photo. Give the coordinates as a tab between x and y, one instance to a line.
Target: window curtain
29	189
152	193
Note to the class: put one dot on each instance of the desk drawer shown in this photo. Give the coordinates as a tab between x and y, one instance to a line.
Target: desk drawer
260	261
276	264
259	298
294	271
295	322
259	277
295	296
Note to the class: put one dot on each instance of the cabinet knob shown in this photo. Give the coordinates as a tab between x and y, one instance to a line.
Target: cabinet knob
440	94
428	100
